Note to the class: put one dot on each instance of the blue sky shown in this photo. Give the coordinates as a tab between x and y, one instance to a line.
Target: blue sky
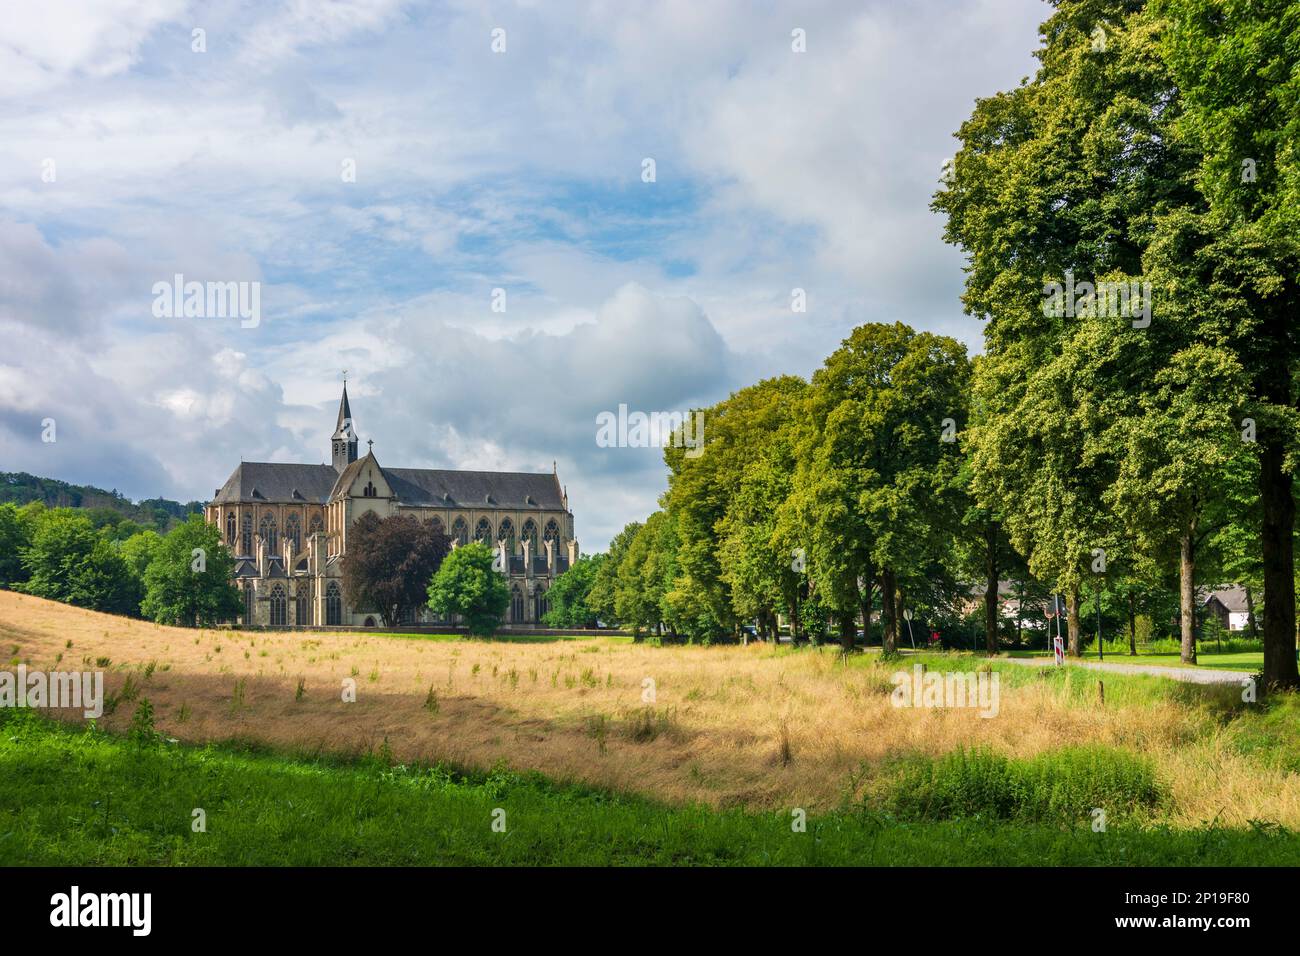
475	170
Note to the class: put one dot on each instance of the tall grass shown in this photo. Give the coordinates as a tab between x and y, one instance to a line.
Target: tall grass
1057	787
86	798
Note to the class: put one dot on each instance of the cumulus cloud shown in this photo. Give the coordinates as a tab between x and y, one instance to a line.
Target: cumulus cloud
475	171
49	43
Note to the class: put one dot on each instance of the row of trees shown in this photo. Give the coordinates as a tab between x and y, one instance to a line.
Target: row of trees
1162	155
185	576
98	561
1099	451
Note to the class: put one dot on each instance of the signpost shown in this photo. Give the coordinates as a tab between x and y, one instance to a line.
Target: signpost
1101	651
1058	644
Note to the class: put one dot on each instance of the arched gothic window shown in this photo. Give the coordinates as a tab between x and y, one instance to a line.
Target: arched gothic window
317	525
302	606
437	525
270	534
293	531
369	490
516	605
506	533
279	607
552	532
460	531
247	535
530	532
483	532
541	604
250	602
230	529
333	605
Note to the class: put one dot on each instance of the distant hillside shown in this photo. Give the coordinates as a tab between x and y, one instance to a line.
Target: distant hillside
22	488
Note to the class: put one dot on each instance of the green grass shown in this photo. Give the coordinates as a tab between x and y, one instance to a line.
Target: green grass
71	796
1065	784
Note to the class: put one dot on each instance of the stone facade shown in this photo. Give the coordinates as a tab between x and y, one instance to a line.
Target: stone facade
287	526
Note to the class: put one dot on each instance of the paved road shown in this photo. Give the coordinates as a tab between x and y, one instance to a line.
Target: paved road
1194	675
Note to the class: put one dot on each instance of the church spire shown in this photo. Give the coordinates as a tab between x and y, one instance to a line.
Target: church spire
345	410
344	441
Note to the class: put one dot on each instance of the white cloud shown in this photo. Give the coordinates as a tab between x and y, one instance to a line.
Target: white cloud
45	44
475	171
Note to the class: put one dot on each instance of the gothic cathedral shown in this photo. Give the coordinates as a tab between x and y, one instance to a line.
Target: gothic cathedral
287	526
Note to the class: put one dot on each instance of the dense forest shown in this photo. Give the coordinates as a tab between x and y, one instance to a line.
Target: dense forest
106	507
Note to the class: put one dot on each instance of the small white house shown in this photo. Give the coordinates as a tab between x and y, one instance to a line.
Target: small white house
1229	605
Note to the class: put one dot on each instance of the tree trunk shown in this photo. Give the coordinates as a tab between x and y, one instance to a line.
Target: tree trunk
1187	594
1020	614
868	594
991	589
889	642
1277	549
848	628
1250	615
1072	621
1132	626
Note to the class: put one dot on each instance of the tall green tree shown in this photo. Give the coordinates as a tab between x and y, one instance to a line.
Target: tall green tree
466	585
756	548
646	576
601	597
188	580
568	596
703	486
1059	183
877	469
15	536
1236	65
140	548
69	561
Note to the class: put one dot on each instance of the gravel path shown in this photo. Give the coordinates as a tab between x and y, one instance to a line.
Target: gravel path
1192	675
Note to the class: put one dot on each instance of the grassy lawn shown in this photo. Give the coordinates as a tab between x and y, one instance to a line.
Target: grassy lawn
84	797
620	752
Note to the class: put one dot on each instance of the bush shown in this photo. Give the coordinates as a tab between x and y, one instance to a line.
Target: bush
1060	786
1144	628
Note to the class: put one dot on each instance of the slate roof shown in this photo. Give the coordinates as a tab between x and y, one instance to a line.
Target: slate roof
275	481
414	487
345	410
443	488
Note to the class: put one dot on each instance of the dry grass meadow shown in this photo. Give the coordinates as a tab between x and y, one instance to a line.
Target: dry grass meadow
730	726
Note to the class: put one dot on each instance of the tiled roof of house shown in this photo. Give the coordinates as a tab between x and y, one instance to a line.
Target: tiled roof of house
1232	597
